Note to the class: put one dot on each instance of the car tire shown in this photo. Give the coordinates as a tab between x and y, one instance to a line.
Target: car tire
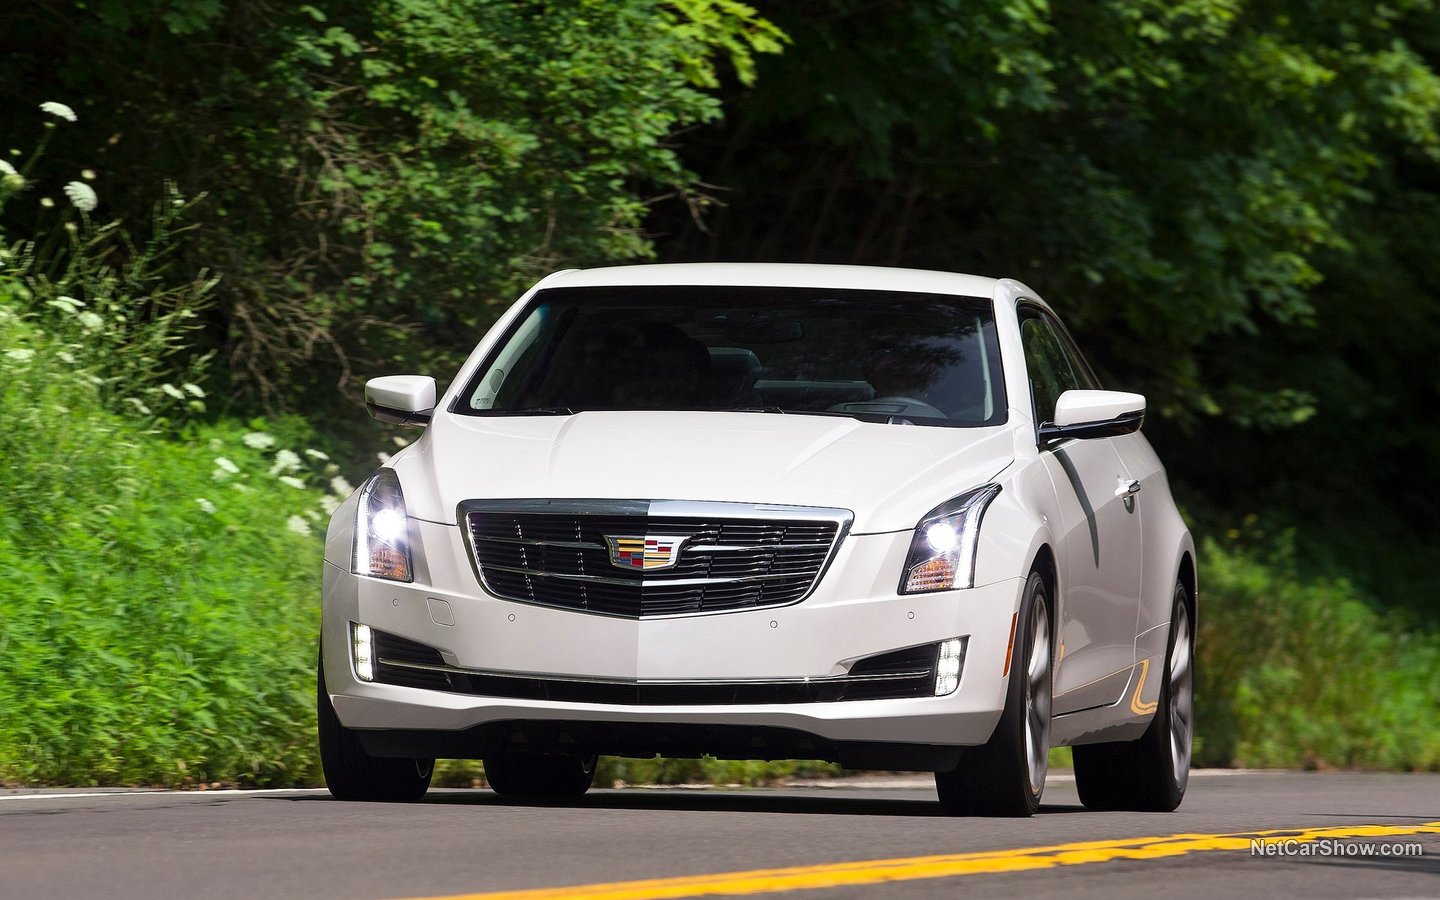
1150	774
528	774
1006	775
353	774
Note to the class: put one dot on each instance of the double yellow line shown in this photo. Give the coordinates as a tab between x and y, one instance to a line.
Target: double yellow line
989	862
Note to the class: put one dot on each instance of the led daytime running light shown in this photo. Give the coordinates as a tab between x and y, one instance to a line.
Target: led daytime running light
948	665
363	646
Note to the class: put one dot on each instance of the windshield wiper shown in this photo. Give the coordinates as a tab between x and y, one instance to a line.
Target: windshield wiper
760	409
540	411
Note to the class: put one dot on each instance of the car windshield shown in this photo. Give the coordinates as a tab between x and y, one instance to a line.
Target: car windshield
884	356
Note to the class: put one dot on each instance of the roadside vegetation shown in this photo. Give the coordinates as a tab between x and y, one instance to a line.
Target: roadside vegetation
1300	671
201	262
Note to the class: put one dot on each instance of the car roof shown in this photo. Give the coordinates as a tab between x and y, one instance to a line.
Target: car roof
777	275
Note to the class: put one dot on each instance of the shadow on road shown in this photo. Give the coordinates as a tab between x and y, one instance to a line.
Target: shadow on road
705	801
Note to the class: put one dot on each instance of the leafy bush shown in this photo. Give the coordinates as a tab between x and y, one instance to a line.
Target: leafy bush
1304	672
158	574
390	166
158	597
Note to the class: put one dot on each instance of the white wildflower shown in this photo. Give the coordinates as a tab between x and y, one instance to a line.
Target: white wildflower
20	353
69	304
87	174
46	202
140	407
7	169
285	461
242	488
92	321
292	481
228	466
329	504
315	454
297	525
383	457
66	357
172	391
59	111
82	195
258	440
205	505
193	389
312	515
400	441
9	177
341	487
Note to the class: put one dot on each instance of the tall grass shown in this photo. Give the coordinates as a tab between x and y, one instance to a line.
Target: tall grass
158	595
158	571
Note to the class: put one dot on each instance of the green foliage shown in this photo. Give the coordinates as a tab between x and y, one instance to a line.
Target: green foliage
116	321
389	169
158	604
1299	671
157	611
1233	204
1177	176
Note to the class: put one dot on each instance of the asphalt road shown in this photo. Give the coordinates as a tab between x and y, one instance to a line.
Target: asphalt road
823	840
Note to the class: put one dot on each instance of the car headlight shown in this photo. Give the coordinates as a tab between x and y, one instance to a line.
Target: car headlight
382	547
942	553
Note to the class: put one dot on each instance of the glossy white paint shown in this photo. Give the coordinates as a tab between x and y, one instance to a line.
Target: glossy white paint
740	457
1115	563
1078	407
405	393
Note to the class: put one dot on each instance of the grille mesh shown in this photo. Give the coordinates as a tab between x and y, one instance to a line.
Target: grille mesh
563	560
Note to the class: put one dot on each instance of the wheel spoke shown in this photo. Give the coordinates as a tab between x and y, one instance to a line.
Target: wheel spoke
1037	695
1182	695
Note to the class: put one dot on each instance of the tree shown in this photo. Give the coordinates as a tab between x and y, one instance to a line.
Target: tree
384	168
1208	190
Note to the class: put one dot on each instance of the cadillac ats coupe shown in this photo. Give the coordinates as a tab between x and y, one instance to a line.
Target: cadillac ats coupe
884	517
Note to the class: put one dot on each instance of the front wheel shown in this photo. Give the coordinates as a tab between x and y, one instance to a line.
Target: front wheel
353	774
1150	774
1006	775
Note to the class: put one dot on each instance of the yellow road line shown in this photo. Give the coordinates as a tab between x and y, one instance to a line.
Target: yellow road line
876	871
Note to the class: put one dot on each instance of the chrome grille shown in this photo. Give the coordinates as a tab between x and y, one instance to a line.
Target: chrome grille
735	556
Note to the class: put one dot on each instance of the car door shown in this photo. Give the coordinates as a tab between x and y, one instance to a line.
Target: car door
1098	529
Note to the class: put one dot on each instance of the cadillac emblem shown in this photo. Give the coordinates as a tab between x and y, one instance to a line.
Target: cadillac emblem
646	553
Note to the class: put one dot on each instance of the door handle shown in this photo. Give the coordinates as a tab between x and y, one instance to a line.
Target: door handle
1126	491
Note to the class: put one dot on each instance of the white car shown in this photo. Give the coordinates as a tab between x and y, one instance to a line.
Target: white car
882	517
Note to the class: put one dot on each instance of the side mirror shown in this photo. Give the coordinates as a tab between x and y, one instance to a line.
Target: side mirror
401	399
1094	414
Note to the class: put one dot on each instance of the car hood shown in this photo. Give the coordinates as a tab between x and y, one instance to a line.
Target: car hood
887	475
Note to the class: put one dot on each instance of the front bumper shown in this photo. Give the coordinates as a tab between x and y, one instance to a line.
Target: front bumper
853	613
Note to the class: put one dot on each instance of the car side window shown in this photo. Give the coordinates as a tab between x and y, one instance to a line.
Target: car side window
1050	372
1084	377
